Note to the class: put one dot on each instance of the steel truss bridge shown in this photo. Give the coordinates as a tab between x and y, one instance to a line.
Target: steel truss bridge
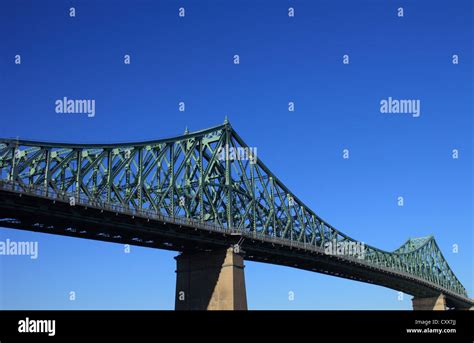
188	193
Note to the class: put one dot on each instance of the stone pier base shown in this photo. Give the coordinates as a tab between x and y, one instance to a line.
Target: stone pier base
430	304
210	281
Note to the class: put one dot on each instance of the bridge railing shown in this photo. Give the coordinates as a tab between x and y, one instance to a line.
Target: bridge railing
79	200
75	200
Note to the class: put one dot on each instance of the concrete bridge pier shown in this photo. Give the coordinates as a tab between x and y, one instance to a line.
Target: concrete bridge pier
210	281
430	304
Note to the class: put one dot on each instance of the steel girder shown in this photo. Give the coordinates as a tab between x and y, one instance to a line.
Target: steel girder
190	176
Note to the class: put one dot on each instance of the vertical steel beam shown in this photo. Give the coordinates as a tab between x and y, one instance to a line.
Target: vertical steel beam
78	173
228	181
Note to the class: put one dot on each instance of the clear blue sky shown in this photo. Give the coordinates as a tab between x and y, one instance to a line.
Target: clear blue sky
282	59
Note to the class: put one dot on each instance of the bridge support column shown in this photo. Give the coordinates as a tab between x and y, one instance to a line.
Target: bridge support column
210	281
430	304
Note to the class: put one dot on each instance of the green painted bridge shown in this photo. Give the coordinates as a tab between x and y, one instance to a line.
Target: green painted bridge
199	192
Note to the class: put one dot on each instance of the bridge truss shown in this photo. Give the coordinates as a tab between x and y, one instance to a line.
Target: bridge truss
194	176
